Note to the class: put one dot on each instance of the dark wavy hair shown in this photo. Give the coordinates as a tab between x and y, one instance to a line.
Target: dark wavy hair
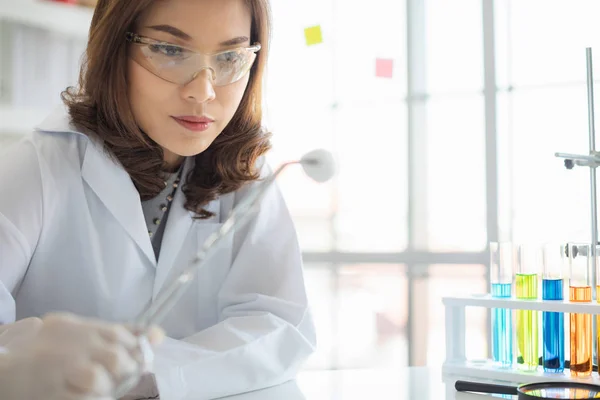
100	107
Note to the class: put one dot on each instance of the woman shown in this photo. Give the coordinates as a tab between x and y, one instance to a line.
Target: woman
108	201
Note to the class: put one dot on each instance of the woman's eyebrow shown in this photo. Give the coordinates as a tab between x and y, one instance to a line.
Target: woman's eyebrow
171	30
234	41
178	33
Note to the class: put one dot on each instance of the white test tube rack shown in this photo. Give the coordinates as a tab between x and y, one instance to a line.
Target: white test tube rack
456	364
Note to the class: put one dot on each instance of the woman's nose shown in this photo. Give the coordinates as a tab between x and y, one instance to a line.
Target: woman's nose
200	89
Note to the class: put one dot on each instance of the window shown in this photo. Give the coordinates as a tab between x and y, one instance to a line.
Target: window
454	44
329	95
413	149
542	109
372	182
456	174
360	313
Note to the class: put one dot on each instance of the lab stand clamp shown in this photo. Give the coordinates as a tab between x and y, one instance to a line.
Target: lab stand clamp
456	365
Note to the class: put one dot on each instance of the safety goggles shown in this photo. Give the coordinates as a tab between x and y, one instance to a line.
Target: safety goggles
180	65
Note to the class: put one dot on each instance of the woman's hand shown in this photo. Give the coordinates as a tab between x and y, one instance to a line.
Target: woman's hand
69	358
17	333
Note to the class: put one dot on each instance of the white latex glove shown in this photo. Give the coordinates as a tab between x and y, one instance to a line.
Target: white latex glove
70	359
15	334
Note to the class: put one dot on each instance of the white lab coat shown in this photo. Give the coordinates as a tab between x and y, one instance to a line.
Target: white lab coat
73	238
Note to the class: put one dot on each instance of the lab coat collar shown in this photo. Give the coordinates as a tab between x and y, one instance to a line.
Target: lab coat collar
116	190
58	121
111	183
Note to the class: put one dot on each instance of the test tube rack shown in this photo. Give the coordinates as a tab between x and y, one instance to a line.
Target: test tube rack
456	363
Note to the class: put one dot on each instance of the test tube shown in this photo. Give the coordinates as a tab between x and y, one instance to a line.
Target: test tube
553	325
501	276
597	300
580	291
526	288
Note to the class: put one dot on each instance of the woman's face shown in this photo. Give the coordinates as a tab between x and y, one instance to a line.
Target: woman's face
171	114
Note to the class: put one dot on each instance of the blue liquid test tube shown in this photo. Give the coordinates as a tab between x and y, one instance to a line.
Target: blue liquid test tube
501	273
553	323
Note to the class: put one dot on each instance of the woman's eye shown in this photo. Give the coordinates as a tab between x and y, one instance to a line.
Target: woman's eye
167	50
230	57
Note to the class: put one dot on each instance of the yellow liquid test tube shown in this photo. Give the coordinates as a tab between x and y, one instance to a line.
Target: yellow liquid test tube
526	288
527	323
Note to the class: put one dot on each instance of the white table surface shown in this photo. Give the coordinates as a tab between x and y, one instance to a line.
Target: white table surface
422	383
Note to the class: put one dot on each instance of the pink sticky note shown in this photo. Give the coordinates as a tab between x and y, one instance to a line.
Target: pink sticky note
384	68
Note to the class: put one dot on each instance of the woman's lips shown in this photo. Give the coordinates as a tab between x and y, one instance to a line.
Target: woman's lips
194	123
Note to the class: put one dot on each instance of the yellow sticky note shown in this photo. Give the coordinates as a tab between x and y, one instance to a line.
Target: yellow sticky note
313	35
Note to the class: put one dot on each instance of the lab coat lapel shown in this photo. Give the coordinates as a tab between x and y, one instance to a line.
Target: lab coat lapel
114	187
183	230
178	226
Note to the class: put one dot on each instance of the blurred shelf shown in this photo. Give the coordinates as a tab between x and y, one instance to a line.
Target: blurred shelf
68	19
16	121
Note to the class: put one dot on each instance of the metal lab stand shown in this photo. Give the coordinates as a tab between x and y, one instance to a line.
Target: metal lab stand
592	160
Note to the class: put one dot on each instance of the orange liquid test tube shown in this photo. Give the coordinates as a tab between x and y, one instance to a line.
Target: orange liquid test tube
580	291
